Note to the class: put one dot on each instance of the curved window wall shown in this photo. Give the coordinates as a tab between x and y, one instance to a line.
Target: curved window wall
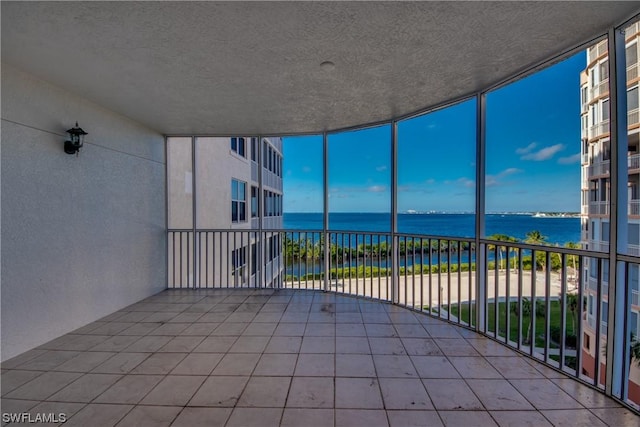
534	183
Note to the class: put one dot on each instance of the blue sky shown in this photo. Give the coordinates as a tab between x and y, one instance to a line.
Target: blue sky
532	163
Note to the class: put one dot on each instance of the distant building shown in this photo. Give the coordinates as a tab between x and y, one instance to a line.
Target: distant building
596	158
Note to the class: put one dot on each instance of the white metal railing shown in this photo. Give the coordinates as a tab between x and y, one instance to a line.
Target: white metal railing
632	72
631	30
599	168
436	276
596	51
633	117
633	161
585	158
598	208
635	297
633	250
634	207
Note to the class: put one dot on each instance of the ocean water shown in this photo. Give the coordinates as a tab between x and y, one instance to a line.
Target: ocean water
557	230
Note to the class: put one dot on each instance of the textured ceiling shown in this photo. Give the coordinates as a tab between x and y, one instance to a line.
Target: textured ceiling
254	67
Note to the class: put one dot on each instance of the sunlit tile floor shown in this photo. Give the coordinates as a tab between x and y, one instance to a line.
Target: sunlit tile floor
289	358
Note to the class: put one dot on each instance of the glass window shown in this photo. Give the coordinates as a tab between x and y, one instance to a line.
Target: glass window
604	70
238	201
303	176
254	201
632	54
632	98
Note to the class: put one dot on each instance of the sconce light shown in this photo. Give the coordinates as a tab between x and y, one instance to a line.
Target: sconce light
77	140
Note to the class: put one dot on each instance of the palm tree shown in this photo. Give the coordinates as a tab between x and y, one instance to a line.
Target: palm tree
502	238
573	306
536	238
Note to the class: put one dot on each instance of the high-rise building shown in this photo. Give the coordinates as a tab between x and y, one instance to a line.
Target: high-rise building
595	213
223	187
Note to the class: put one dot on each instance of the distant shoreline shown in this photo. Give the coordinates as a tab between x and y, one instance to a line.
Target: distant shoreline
532	214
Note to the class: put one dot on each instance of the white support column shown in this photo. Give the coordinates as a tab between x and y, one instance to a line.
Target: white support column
618	217
480	208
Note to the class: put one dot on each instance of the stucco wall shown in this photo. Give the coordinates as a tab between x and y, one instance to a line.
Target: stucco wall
81	236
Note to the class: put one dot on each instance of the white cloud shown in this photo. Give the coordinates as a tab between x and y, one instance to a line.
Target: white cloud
377	189
575	158
430	181
493	180
469	183
544	153
381	168
527	149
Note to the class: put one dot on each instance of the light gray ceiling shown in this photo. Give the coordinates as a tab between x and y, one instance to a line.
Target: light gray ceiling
254	67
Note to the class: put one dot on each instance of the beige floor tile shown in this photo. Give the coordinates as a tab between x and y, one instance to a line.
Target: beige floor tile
49	360
544	394
487	347
43	386
434	367
10	380
410	330
619	417
451	395
352	345
355	365
360	417
573	417
299	317
14	362
380	330
148	344
219	391
202	417
59	410
121	363
513	367
347	318
260	329
442	331
474	367
98	415
255	417
311	392
455	347
213	318
174	390
237	364
290	329
358	393
498	395
315	365
241	317
181	344
217	344
318	345
142	328
265	392
230	329
197	364
401	393
189	317
414	419
387	346
466	418
294	417
320	330
276	365
520	419
587	396
421	347
159	363
199	329
249	344
350	330
394	366
130	389
116	343
85	388
377	318
17	406
150	416
284	344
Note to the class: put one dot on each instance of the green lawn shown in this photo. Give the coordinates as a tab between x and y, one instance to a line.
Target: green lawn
463	314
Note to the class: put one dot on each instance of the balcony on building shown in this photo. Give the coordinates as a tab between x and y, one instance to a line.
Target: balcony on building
148	279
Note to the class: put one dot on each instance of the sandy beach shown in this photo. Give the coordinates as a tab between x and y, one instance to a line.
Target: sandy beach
437	289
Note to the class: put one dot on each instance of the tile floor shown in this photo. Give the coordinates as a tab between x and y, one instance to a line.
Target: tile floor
289	358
